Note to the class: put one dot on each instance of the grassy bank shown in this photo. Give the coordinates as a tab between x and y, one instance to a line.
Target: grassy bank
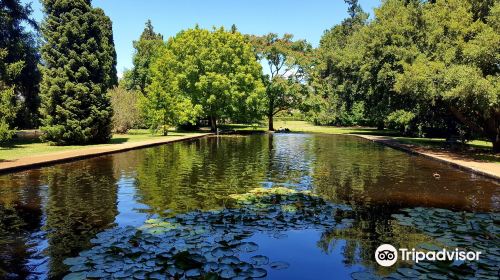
20	148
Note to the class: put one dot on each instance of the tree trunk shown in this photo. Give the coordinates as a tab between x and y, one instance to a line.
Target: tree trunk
489	127
271	122
380	125
496	144
164	127
213	123
493	129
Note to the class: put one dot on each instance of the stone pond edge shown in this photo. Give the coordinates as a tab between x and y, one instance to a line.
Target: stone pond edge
11	166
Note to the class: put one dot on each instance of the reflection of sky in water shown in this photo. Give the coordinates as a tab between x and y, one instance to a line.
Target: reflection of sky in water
130	212
300	250
293	158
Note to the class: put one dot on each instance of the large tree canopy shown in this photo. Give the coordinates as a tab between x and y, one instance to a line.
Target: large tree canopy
336	70
79	67
285	83
422	66
458	65
215	70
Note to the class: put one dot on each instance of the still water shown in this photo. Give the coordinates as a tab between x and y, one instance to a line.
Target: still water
52	213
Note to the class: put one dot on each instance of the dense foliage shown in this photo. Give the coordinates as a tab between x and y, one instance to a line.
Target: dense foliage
285	84
205	73
79	68
424	67
8	103
147	49
20	48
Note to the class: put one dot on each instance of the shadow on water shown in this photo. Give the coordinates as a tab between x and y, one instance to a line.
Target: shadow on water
52	213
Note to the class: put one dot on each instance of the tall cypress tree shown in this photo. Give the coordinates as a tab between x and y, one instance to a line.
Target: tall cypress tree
79	67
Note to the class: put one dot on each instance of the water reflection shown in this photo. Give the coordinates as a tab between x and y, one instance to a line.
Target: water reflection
56	210
81	202
51	213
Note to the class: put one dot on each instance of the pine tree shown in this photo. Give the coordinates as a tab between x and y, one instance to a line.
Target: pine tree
79	67
146	51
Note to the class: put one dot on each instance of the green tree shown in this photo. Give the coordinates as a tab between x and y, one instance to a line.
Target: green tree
287	60
335	99
215	70
458	65
21	47
146	51
419	66
79	68
8	102
164	106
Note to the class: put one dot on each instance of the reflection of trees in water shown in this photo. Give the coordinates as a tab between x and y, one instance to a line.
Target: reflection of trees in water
200	174
20	215
79	199
371	226
81	202
355	171
74	201
347	169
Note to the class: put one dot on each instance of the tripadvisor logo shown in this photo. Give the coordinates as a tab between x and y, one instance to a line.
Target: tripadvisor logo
387	255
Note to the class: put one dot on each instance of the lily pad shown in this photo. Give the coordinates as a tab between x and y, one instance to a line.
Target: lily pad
259	260
248	247
279	265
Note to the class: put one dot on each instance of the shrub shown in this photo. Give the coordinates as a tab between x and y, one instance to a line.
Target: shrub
400	120
126	114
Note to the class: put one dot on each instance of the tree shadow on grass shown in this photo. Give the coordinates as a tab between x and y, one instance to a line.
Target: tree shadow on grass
459	151
119	140
18	143
375	132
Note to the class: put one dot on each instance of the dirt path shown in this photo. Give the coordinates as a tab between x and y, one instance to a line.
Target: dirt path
64	156
487	169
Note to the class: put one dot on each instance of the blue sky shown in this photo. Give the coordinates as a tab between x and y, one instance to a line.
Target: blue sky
305	19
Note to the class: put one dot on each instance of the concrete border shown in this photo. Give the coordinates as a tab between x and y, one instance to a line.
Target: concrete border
87	152
489	170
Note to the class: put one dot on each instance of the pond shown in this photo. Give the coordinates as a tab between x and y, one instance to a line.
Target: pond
282	206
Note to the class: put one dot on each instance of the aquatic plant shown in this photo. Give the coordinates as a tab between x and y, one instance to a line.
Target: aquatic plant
204	245
216	244
467	231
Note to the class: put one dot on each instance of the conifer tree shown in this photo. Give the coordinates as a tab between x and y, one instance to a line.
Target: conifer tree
147	49
79	67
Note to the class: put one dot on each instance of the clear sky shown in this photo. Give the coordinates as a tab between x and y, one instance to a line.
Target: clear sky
305	19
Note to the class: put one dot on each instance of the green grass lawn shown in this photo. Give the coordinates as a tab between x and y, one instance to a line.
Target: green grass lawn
302	126
29	147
